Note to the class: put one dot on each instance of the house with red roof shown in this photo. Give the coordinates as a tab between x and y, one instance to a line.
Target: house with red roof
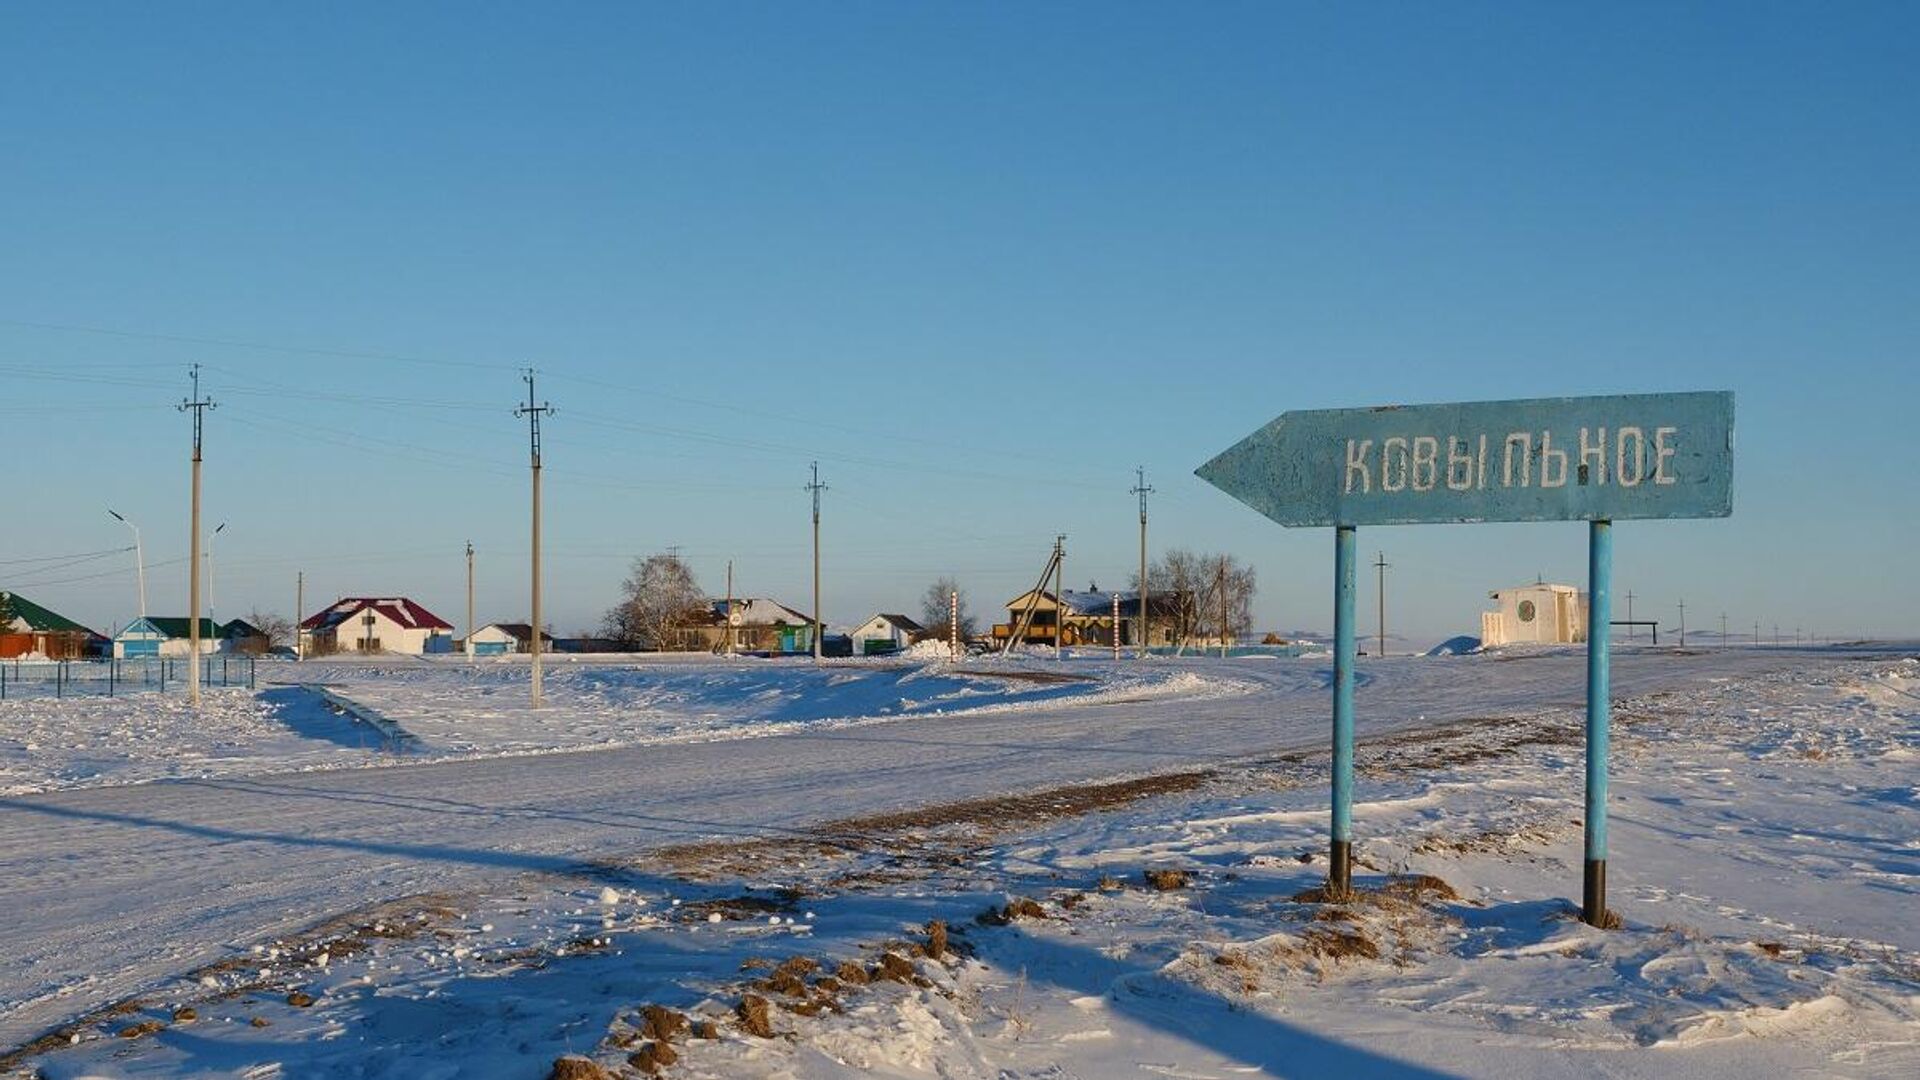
374	624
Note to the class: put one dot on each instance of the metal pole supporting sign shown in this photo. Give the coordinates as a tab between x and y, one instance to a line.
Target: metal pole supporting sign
1596	459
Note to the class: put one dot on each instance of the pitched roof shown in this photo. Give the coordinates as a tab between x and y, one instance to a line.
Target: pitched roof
240	628
40	619
900	621
759	611
518	631
398	609
1096	603
176	627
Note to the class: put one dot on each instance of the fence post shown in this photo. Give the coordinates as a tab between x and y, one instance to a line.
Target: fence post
59	686
253	668
112	667
3	682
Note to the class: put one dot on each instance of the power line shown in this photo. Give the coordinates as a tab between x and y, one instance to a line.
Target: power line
79	555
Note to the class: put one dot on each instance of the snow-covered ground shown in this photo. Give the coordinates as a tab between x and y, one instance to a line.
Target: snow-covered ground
1764	861
454	708
451	709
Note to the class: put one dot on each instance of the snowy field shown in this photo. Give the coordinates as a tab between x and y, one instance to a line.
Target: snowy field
1764	861
452	709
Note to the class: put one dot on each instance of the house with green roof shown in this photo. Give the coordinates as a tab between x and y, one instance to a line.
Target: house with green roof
28	629
160	635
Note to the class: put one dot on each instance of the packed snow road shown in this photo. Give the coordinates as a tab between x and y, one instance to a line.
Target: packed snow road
111	889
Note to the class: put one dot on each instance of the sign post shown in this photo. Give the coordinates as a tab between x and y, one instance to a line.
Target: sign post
1595	459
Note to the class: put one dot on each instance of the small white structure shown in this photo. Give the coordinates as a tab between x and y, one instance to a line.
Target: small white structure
885	633
499	639
373	624
1540	614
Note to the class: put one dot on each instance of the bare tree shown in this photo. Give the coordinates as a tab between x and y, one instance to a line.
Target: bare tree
936	610
661	600
277	629
1190	582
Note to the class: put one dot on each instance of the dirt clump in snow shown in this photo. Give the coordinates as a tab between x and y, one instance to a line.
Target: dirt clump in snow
575	1067
755	1016
1165	880
185	1014
1330	944
653	1057
1019	907
662	1024
895	968
300	999
143	1028
852	973
937	939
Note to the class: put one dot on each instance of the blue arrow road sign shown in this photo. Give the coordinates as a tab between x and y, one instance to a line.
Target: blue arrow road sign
1541	459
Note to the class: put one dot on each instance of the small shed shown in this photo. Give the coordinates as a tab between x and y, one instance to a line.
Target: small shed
1539	614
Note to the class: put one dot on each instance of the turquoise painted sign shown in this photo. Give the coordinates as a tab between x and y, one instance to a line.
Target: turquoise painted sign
1540	459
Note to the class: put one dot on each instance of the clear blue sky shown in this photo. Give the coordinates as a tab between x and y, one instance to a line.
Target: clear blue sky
979	260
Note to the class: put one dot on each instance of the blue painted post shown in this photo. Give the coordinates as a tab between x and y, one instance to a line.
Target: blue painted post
1593	908
1340	855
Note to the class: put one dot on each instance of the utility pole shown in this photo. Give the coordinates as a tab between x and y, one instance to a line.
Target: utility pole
815	487
1059	594
139	560
1632	630
1723	630
1380	565
1683	624
299	605
1060	598
1756	633
533	413
728	617
197	406
1223	607
1141	489
469	641
953	624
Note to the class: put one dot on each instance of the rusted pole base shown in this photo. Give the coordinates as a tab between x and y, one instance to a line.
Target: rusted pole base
1593	904
1340	868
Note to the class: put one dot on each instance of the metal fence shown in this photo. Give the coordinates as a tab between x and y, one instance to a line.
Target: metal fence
113	678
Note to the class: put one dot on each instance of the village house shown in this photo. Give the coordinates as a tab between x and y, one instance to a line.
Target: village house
1087	618
500	639
368	624
886	633
755	624
31	630
163	635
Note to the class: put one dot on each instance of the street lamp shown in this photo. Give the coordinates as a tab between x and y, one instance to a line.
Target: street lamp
139	558
216	532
